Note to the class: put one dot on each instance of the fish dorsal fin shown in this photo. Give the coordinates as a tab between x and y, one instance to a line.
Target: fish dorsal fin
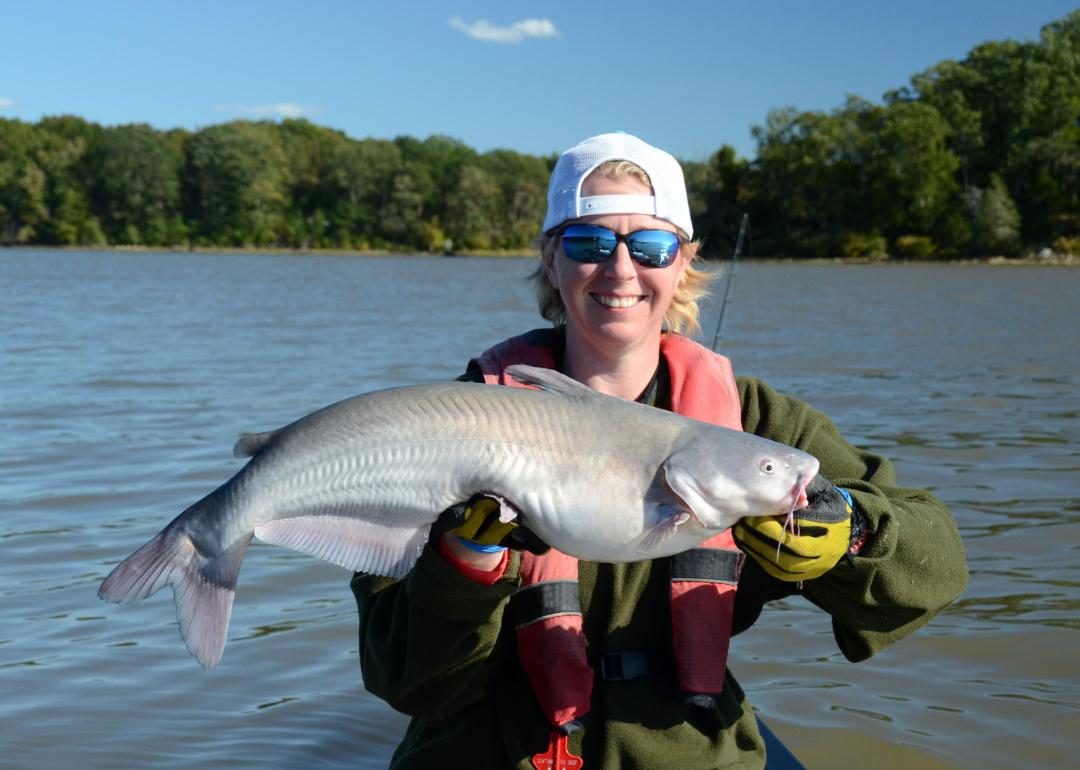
249	444
548	379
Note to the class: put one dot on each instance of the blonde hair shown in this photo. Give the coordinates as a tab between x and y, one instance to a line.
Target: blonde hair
681	315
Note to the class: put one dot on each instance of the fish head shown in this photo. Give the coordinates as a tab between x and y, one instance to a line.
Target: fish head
745	475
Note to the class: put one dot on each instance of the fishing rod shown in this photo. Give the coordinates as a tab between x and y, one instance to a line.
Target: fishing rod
731	276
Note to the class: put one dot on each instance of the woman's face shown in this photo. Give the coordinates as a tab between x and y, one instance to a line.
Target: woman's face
617	304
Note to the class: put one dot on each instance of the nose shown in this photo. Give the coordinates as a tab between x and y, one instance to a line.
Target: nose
619	265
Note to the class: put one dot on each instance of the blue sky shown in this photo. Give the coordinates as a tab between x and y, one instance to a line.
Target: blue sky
533	77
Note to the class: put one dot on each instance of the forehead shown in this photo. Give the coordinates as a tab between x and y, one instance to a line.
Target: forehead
600	184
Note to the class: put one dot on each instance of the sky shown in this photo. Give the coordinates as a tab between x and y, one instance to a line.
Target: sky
533	77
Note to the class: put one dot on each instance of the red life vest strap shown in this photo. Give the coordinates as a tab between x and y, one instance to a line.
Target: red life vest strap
703	583
550	638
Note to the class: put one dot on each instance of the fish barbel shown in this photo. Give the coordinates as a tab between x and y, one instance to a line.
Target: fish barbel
359	483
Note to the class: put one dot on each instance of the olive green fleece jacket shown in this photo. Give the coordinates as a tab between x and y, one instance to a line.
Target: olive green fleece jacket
435	645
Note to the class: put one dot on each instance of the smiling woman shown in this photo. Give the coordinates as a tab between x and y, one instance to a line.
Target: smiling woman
682	314
616	305
511	654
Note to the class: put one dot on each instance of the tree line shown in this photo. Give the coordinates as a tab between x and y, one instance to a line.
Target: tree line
972	158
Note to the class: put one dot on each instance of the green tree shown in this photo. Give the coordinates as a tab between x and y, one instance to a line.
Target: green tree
361	181
717	199
812	184
311	151
62	150
237	176
522	182
995	219
1013	109
442	159
786	184
473	210
136	185
22	184
912	175
1045	172
402	211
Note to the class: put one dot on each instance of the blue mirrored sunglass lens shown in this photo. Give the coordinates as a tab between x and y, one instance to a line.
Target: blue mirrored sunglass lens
657	248
586	243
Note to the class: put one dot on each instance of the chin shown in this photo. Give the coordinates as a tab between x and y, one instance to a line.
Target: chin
623	332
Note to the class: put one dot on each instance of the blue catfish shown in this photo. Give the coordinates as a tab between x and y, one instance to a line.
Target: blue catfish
360	483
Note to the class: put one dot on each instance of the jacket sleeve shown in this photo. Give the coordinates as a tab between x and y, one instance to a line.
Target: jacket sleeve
430	643
911	567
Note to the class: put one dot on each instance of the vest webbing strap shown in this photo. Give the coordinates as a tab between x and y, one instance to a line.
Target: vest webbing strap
707	565
545	600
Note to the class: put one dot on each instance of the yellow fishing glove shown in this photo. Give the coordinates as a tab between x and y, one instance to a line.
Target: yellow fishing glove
822	535
476	523
480	525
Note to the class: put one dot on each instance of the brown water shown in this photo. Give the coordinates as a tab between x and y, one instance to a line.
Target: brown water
124	380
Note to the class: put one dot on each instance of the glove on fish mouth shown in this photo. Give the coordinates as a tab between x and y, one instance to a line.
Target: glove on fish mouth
817	538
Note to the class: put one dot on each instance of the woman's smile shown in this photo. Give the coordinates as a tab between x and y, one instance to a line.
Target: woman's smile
617	301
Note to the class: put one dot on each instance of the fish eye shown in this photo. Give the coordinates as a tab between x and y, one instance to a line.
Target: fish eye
767	465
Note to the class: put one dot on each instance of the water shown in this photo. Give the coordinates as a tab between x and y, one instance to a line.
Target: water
124	380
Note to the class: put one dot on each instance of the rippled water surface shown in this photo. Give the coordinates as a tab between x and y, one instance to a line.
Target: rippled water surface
124	380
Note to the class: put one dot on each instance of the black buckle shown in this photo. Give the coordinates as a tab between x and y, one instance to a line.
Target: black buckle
624	664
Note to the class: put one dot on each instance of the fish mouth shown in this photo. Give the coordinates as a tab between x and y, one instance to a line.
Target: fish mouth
798	492
798	500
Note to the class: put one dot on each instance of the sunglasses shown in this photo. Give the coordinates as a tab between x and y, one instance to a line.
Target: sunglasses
592	244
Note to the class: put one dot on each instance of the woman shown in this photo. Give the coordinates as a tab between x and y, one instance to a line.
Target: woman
506	658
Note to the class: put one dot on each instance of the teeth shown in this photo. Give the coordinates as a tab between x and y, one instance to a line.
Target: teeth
609	301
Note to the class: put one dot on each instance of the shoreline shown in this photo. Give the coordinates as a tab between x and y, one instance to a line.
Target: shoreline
1053	260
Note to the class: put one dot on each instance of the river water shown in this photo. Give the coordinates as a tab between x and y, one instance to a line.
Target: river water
125	378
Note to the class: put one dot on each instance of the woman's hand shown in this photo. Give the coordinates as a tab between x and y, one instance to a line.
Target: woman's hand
476	534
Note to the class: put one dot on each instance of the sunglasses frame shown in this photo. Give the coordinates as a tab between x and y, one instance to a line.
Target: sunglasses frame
624	238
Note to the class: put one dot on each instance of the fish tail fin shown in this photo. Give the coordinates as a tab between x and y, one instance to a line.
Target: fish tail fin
147	570
203	587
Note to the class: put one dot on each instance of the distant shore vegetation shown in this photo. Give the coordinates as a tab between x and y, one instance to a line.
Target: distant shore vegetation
977	157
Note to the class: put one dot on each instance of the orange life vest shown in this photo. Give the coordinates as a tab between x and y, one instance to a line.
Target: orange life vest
547	608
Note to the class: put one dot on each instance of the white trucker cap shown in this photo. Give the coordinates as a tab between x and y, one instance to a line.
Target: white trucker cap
668	200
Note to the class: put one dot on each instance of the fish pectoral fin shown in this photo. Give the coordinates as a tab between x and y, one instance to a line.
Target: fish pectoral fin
664	529
354	543
549	379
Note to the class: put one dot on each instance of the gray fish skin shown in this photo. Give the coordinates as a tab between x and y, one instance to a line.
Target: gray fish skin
359	483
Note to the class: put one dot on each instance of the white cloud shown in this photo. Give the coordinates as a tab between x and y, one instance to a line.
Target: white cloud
6	103
515	33
279	110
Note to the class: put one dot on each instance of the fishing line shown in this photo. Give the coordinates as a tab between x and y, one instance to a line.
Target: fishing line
727	288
